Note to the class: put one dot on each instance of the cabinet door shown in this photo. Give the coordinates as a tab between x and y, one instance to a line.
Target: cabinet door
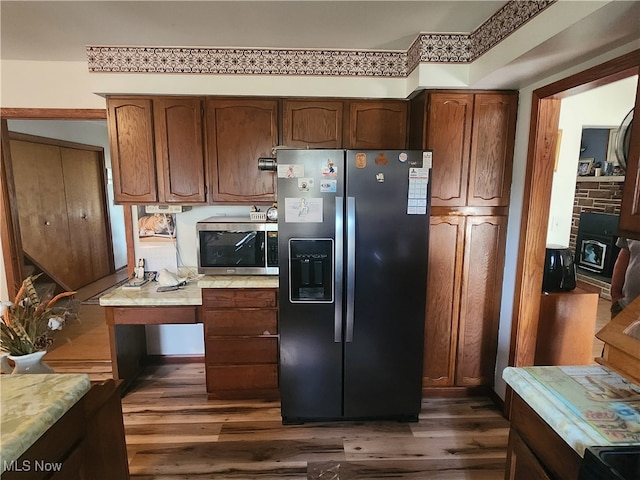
88	219
42	208
239	132
446	249
379	125
491	162
449	136
312	124
630	209
133	159
522	462
480	299
180	149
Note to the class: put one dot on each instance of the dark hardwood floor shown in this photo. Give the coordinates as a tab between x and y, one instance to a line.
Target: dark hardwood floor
173	431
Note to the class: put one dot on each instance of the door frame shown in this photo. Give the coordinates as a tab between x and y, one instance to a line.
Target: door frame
10	228
543	132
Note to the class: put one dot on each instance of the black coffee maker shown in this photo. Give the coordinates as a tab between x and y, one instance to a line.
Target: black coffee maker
559	270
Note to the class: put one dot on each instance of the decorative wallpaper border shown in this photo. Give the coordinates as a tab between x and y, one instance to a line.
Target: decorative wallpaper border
427	48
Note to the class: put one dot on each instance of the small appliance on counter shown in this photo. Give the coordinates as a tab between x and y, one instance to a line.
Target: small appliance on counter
559	269
237	246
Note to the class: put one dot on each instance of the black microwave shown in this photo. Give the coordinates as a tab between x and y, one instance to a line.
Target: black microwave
237	246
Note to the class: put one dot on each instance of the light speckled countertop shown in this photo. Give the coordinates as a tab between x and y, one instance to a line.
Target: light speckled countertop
580	403
30	405
190	294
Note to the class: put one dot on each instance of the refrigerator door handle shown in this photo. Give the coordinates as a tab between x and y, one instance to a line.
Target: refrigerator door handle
339	270
351	266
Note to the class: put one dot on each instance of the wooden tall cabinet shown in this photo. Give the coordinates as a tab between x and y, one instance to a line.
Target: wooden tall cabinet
239	132
463	299
157	149
377	125
446	258
481	292
472	136
312	123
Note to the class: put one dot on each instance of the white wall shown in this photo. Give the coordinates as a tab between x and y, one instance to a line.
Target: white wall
516	204
601	107
88	133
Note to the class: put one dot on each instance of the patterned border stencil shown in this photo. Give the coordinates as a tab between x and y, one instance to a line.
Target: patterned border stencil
427	48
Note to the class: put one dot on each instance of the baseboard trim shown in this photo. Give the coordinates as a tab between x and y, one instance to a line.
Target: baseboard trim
172	359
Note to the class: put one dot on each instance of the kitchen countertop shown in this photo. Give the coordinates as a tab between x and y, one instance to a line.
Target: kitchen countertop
190	294
30	405
582	404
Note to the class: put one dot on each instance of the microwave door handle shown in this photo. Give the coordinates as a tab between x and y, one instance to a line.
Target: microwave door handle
339	269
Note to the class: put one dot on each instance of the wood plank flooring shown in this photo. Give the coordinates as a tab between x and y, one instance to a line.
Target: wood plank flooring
174	432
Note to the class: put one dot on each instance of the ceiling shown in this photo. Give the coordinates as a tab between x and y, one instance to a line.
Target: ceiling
56	30
60	30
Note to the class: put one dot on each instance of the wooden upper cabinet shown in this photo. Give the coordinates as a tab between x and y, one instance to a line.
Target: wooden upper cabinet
312	124
493	138
472	136
157	149
180	149
448	134
377	125
239	132
630	210
130	123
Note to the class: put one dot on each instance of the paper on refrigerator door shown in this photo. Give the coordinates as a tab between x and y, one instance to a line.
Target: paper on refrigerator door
417	195
303	210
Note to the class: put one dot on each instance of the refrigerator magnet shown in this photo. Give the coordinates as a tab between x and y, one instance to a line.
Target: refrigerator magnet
361	160
304	184
381	159
328	186
290	171
403	157
330	169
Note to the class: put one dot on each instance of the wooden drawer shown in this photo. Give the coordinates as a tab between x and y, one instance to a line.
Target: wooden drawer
153	315
242	377
240	322
241	350
239	297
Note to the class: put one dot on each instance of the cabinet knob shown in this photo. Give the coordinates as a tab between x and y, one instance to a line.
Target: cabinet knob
47	222
84	216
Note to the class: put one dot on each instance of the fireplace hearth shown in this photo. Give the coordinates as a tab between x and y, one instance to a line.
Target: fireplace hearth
596	249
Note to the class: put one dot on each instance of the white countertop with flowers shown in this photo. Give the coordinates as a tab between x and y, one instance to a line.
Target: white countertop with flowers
585	405
190	294
30	405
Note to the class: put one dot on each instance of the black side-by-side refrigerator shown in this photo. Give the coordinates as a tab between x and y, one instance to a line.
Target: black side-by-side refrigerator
353	230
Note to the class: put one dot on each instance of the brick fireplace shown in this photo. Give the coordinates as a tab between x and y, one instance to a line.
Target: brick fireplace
598	196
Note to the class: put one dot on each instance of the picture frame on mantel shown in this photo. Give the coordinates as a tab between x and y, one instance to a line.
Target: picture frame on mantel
584	166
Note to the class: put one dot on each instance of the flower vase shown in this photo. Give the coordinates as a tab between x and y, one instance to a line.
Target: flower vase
30	363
